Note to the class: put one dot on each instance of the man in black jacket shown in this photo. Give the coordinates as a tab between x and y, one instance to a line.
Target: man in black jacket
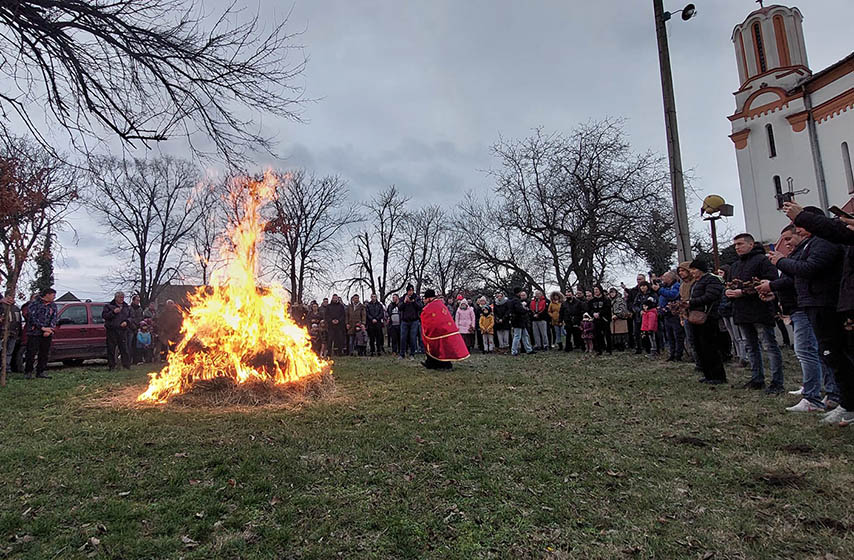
375	315
805	258
410	322
521	321
336	320
832	334
117	321
753	315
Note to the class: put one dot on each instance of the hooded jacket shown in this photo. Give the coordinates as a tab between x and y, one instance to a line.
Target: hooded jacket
465	319
749	308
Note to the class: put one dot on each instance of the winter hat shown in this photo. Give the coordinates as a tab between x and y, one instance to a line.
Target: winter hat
459	297
429	293
586	317
699	264
686	265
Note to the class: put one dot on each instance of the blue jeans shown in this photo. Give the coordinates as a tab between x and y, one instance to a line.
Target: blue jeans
675	335
409	336
806	349
752	333
520	334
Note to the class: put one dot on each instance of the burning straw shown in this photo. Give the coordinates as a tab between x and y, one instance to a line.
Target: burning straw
239	345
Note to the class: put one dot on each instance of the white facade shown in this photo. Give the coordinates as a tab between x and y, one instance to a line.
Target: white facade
789	122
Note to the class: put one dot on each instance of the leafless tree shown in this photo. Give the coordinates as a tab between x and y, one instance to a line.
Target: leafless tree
207	235
378	244
146	71
421	231
151	208
307	217
36	191
577	201
497	253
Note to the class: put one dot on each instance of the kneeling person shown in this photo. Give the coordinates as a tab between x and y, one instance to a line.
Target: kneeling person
442	340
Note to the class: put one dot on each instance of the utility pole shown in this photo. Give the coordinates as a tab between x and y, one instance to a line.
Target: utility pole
677	183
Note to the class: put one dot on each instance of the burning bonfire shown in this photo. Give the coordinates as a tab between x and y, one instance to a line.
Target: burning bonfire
237	337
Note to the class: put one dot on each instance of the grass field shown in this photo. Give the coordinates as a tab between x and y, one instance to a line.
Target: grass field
548	456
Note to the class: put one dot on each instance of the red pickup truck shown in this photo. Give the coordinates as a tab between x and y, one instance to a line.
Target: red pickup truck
79	334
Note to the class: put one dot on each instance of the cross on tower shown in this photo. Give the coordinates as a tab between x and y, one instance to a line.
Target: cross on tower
761	3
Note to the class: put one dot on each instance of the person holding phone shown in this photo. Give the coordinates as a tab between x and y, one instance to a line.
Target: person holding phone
831	334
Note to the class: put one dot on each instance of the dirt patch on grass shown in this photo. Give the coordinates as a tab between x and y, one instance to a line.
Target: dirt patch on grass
781	478
826	523
798	448
692	441
224	394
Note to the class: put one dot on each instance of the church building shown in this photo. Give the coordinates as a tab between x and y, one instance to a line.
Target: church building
793	128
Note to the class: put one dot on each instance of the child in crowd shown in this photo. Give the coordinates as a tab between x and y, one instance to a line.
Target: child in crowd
587	332
324	339
649	324
487	328
361	339
314	333
144	342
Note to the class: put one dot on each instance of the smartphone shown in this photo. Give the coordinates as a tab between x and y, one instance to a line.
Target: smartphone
837	211
772	247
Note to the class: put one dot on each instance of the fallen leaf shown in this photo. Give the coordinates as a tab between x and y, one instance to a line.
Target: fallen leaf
188	542
181	455
200	514
232	482
123	494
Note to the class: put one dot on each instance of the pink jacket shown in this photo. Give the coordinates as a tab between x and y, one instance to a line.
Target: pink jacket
649	321
465	320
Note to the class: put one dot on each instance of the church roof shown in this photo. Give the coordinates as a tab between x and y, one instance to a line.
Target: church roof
829	74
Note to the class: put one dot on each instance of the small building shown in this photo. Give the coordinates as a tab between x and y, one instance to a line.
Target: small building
793	129
67	296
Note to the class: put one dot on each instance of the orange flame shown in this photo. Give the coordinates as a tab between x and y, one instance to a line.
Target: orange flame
233	328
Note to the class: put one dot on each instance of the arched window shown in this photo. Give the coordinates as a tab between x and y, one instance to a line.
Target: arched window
772	146
778	192
760	48
846	164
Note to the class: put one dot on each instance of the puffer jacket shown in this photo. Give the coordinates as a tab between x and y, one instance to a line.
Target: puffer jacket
539	309
837	232
554	313
503	313
706	295
749	308
465	320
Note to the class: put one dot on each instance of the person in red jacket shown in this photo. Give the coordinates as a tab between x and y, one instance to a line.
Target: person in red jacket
442	341
649	324
540	320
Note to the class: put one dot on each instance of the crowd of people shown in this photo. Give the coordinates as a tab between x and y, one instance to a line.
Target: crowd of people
134	334
710	317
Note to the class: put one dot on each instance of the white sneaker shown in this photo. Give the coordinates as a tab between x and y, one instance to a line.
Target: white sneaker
835	416
847	418
829	404
805	406
798	392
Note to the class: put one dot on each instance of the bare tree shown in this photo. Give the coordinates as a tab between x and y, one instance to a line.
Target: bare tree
208	234
575	201
497	254
36	191
151	207
146	71
306	218
421	230
378	244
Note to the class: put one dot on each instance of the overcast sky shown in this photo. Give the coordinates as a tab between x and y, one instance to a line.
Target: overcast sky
414	93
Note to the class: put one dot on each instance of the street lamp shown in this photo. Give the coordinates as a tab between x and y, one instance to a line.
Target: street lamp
677	182
714	208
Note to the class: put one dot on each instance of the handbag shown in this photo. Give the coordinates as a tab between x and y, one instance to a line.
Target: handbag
697	317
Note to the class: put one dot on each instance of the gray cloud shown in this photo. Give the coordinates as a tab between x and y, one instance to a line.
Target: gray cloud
414	93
